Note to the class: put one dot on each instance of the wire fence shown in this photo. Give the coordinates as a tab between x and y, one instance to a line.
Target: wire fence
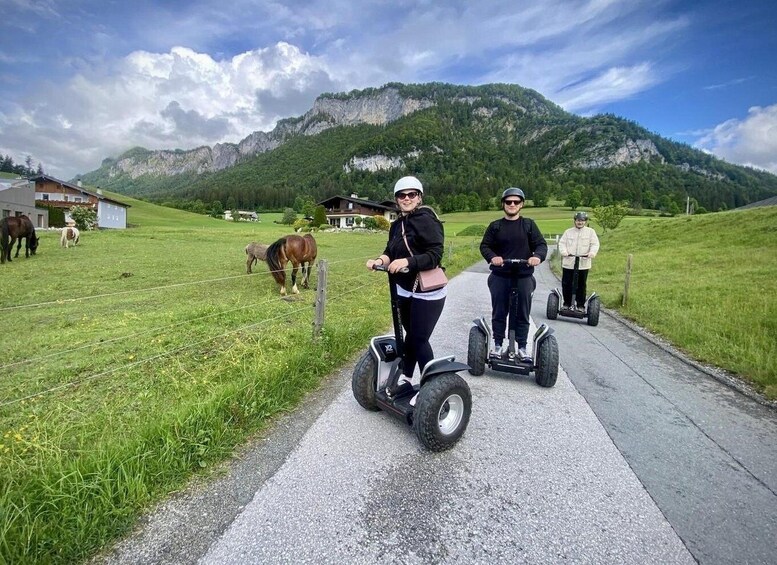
342	287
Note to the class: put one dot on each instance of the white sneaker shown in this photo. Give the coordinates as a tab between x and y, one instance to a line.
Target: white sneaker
523	354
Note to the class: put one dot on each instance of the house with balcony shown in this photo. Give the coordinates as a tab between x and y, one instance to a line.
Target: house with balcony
50	191
342	211
17	198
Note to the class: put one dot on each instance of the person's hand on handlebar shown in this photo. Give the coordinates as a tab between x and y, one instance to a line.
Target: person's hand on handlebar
497	261
534	261
379	261
397	265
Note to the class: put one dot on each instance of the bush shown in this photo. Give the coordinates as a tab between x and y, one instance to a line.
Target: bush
289	217
382	223
301	225
85	218
475	229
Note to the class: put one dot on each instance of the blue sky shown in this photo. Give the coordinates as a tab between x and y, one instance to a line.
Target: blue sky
82	80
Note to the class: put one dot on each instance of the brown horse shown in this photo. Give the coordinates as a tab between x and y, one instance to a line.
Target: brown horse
15	228
300	251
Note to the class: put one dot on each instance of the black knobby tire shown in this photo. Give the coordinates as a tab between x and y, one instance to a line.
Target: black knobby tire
552	310
476	352
593	311
363	381
547	362
442	411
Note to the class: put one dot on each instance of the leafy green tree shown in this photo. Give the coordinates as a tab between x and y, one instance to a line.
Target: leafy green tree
609	217
85	218
216	209
198	207
540	197
231	203
308	208
574	199
319	216
289	217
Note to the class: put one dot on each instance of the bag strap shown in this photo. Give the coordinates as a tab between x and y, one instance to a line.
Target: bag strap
418	276
405	239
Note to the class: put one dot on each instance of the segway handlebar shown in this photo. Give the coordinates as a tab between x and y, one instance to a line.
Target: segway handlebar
384	268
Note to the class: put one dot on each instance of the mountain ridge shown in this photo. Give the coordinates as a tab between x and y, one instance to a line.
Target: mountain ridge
432	129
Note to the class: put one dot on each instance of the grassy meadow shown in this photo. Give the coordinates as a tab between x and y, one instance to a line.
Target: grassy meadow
705	283
143	356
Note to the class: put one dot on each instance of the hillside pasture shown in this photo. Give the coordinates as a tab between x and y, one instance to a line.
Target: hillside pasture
144	355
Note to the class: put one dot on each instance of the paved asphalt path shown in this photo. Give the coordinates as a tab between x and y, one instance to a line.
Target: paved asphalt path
633	457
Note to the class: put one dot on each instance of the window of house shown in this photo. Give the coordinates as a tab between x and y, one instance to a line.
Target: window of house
45	197
77	199
349	221
334	221
350	205
6	213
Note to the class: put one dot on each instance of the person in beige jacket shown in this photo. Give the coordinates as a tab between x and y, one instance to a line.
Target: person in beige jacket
578	243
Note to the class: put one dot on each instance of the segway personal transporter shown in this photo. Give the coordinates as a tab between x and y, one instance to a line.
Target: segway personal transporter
442	408
591	307
544	363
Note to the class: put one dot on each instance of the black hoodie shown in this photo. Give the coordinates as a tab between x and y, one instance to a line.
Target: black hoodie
425	237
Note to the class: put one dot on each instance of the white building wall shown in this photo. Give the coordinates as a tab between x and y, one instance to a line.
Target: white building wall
111	215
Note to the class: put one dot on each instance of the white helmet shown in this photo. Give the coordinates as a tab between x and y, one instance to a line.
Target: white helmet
408	183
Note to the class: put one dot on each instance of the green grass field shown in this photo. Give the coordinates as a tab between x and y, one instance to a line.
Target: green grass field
144	356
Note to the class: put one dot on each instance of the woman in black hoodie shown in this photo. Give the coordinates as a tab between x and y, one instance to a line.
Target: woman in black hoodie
416	241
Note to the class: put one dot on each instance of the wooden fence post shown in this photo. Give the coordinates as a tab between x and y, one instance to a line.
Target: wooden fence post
318	320
628	281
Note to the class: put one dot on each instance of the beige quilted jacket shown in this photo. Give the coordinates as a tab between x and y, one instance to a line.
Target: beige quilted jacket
575	241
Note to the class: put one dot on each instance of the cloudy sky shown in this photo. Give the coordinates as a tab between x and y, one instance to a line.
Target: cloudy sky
81	80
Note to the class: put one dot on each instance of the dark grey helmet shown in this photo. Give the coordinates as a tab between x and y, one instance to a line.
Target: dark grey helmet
581	216
512	191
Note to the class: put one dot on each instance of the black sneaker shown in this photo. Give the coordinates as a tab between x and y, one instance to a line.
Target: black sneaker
403	386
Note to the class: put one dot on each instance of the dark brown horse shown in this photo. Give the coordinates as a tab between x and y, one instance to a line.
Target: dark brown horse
300	251
13	229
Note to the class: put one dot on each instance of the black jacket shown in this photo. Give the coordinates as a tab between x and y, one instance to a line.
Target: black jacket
513	239
425	237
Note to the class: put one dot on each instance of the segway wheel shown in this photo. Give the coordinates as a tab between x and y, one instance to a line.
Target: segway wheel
476	352
442	411
547	362
593	311
552	309
363	381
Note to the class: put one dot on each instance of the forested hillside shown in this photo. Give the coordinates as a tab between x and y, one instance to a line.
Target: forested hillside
466	144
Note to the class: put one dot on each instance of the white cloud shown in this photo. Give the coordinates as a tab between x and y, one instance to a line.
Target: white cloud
180	99
751	141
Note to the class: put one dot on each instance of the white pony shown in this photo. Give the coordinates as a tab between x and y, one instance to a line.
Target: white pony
69	234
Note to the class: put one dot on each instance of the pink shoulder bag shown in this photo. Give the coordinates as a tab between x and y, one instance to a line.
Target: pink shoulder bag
431	279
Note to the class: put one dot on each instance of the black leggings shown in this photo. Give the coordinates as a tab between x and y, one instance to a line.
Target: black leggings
418	320
567	289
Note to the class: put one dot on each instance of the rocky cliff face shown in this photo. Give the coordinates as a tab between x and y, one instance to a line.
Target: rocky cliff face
379	108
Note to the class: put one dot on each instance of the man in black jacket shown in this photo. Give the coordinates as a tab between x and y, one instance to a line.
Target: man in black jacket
512	237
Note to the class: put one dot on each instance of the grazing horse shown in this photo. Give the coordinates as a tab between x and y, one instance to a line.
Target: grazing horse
255	251
300	251
13	229
69	234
